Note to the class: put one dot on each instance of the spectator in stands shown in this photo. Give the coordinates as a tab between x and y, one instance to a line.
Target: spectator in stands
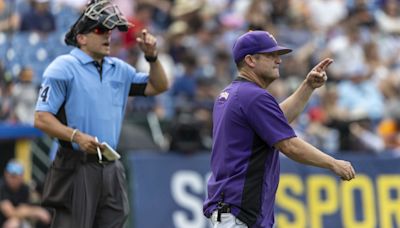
347	50
77	5
362	13
206	91
389	130
203	40
186	10
379	69
15	210
223	71
295	32
388	18
365	138
161	15
184	86
318	134
390	88
9	19
3	74
359	95
24	95
187	135
2	90
7	112
39	18
258	14
325	14
190	13
335	118
176	34
281	8
141	20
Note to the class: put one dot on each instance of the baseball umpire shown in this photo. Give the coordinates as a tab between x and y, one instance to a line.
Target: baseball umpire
250	128
83	97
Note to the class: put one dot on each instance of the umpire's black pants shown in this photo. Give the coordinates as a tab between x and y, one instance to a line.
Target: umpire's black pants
86	193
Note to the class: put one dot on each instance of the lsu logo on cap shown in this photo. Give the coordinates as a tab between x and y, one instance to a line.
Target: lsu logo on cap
271	36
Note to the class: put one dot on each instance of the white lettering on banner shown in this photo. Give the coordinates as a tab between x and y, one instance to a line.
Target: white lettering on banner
304	202
207	177
181	181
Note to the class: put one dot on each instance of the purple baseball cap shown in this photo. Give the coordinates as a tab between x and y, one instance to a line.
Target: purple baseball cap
254	42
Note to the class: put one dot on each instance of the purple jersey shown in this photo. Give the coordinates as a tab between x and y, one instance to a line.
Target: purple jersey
245	166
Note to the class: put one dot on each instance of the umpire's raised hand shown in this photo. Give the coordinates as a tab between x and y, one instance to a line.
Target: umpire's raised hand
147	43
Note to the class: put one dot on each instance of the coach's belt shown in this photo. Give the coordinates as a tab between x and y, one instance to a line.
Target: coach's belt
222	208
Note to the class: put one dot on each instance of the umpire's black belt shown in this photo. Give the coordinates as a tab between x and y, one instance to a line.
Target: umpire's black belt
95	158
83	156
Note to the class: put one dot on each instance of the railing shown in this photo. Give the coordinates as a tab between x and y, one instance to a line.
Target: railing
40	148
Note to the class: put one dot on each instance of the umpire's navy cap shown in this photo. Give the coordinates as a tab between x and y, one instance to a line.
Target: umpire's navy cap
254	42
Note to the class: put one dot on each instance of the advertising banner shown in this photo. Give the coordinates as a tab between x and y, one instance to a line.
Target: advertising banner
168	190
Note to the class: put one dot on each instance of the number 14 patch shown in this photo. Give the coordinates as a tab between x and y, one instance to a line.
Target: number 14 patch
44	93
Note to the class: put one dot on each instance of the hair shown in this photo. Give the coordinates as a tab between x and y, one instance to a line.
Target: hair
242	63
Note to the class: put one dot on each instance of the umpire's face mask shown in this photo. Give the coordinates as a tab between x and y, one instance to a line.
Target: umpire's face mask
98	14
107	15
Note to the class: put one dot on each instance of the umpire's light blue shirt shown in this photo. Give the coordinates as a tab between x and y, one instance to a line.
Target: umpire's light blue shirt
72	84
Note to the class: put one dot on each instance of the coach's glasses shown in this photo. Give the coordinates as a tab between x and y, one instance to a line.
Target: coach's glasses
100	30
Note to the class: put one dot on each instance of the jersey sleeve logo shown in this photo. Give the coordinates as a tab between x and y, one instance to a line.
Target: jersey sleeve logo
223	96
44	93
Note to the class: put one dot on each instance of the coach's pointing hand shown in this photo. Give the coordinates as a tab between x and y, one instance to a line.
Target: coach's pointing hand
317	76
147	43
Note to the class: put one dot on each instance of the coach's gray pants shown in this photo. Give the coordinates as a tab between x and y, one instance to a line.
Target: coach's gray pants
228	220
97	194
